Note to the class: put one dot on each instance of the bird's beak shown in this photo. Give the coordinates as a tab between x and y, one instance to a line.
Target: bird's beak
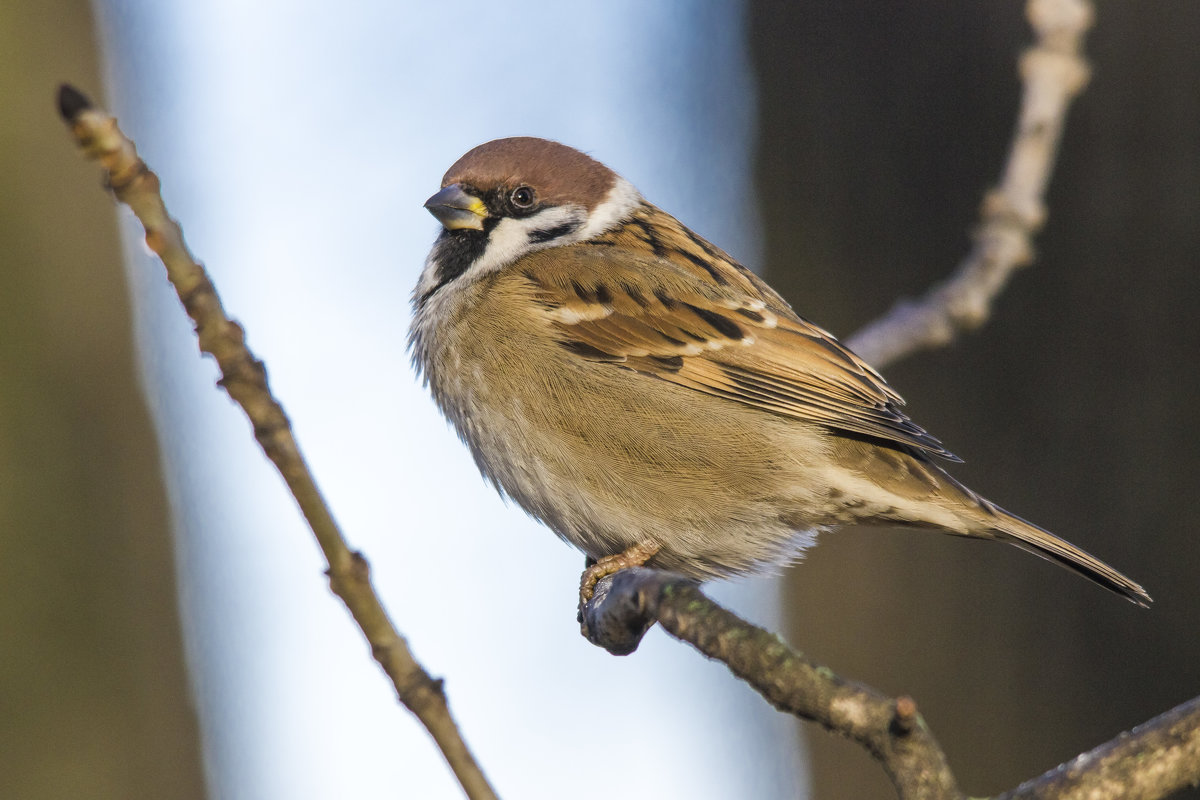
456	209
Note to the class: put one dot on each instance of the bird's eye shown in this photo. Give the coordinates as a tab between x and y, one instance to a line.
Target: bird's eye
522	197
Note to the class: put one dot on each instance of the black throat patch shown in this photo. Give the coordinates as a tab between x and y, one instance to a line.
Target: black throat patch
456	251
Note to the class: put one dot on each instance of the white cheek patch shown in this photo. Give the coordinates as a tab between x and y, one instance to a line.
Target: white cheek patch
556	227
513	238
507	242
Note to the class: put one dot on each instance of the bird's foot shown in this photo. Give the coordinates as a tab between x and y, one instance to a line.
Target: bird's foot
635	556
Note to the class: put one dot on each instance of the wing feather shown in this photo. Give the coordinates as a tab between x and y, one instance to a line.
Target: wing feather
735	339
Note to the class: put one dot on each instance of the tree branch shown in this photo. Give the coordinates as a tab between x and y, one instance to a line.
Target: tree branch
1148	762
625	606
244	378
1053	72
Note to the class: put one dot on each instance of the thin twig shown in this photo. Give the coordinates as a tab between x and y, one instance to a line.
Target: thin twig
1053	72
625	605
244	378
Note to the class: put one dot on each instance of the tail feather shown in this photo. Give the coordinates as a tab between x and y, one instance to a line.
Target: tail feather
1033	539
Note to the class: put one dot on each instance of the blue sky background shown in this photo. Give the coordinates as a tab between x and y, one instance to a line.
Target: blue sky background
296	143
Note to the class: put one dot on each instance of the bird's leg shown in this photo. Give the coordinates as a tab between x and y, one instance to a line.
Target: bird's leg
635	556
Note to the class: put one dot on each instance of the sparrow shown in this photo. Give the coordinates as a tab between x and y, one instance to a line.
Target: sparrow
651	400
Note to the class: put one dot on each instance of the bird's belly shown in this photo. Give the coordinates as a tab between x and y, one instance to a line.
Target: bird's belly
608	458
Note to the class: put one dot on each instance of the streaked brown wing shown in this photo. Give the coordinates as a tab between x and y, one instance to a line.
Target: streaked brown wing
732	337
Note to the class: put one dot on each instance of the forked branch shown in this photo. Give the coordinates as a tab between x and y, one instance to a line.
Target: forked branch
1149	762
625	606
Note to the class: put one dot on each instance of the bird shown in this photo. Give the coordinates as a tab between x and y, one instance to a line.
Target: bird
651	400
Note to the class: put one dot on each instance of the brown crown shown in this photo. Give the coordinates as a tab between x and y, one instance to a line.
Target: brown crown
557	173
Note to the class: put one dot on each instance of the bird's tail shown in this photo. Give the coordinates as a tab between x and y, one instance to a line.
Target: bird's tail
1029	537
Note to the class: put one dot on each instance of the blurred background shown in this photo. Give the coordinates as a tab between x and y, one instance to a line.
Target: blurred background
164	627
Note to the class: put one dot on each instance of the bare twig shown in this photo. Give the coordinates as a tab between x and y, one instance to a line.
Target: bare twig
1146	763
244	378
1053	72
625	605
1151	761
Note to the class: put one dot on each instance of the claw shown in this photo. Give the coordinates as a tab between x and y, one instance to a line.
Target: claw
635	556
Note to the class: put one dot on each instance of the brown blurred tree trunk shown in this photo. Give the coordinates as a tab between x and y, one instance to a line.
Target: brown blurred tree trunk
94	699
881	126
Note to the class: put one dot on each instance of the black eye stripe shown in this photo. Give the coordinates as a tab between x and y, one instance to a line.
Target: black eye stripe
499	202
